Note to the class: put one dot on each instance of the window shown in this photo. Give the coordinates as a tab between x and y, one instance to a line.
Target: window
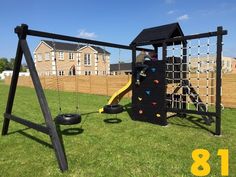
96	58
40	57
87	60
71	56
61	73
87	72
61	55
47	56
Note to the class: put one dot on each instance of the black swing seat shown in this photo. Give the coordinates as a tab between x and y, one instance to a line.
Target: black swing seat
68	119
113	109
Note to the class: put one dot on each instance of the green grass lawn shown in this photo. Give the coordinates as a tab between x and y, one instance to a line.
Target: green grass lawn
128	148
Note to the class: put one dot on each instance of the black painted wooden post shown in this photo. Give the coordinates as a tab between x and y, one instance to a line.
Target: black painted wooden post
156	51
164	112
133	68
14	80
218	80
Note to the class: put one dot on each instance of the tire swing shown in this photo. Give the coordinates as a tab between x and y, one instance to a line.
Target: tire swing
111	108
66	118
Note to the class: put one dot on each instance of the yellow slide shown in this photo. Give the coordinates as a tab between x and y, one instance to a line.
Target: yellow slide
118	95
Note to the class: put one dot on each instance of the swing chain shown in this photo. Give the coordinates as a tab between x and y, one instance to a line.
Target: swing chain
76	81
57	79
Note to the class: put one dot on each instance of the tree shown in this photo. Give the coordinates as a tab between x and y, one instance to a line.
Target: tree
23	68
4	64
11	63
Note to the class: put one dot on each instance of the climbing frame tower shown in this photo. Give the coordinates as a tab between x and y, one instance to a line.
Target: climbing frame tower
188	70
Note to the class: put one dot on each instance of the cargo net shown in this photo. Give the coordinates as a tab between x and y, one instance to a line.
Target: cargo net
191	75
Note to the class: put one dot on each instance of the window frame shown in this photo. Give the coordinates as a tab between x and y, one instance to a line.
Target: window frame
61	55
87	57
71	56
47	58
87	73
61	73
40	58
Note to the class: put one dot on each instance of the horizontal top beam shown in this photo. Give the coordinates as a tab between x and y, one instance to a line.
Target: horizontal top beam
19	30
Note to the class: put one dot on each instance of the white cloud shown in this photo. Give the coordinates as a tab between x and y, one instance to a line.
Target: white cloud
183	17
169	1
170	12
85	34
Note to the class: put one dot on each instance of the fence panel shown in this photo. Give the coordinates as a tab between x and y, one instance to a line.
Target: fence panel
107	85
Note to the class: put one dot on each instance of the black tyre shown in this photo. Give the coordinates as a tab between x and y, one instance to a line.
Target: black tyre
68	119
113	109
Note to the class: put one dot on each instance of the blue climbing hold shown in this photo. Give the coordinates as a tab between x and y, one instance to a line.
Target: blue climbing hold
148	92
153	70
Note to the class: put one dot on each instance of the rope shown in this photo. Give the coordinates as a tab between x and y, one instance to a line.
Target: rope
119	70
201	62
57	79
77	87
104	61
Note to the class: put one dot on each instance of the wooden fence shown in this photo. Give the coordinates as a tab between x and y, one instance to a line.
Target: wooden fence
107	85
100	85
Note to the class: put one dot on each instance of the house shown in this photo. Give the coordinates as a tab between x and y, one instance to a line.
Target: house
230	64
204	64
70	59
121	68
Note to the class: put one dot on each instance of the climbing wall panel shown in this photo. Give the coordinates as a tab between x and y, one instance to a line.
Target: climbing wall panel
148	99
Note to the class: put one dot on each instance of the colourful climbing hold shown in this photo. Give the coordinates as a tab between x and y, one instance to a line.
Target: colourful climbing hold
156	81
140	111
139	98
153	69
148	92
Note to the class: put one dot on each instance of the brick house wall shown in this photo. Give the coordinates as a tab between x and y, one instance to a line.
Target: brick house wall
70	60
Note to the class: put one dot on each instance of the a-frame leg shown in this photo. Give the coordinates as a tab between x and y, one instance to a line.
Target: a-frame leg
13	85
57	144
50	128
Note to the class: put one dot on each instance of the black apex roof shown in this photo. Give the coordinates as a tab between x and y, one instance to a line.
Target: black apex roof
71	46
159	33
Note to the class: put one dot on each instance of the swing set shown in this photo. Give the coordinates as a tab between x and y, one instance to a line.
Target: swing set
62	118
151	100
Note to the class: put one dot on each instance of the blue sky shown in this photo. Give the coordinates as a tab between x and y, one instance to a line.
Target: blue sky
117	21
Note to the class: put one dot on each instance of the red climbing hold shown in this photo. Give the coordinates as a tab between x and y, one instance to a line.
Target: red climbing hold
156	81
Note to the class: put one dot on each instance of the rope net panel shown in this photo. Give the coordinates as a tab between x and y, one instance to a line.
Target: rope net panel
191	74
